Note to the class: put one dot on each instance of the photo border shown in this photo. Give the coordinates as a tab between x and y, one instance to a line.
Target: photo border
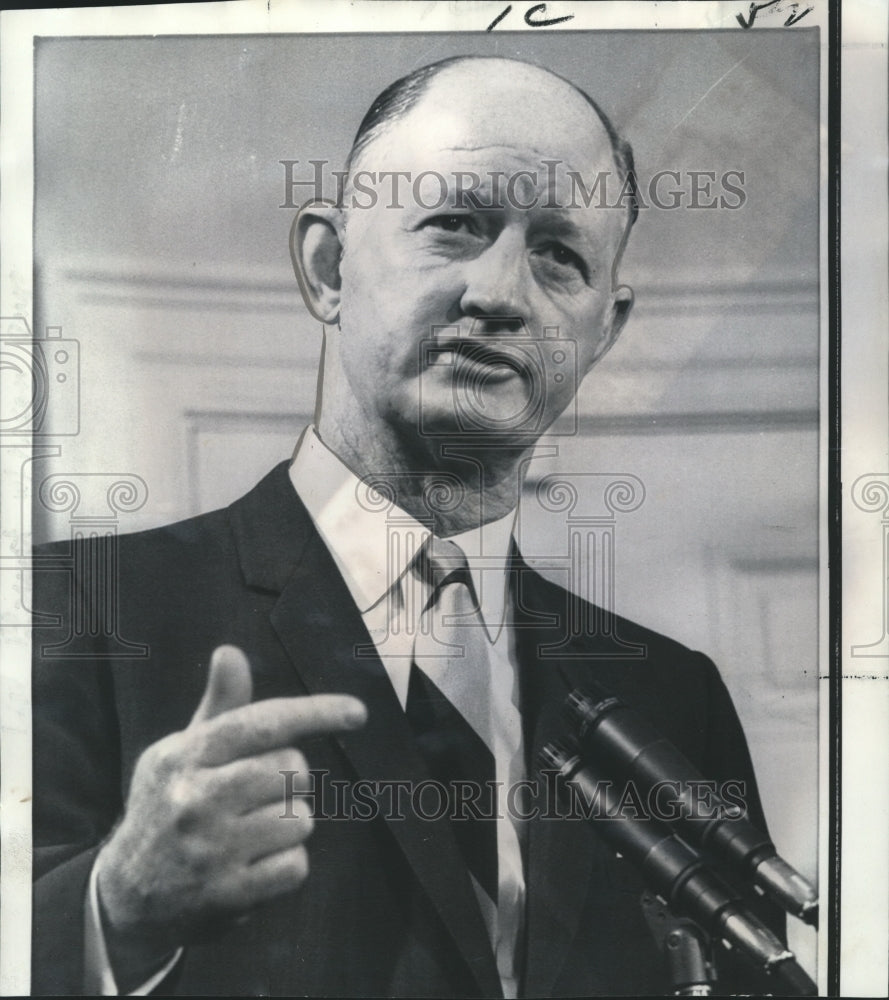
837	839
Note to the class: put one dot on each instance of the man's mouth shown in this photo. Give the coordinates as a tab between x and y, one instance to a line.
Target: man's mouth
487	360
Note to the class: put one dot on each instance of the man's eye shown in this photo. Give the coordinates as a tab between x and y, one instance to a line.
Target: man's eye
564	257
450	223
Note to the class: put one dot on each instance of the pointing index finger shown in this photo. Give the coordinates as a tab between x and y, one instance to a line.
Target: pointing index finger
277	722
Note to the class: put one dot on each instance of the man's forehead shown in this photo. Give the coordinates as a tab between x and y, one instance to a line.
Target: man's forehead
499	109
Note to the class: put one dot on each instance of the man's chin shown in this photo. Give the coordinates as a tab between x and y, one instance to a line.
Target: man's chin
504	409
449	426
448	416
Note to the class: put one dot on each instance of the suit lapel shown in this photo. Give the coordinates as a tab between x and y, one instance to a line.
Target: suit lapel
564	860
319	626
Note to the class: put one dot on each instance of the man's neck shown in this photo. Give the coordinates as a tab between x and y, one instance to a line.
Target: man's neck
460	483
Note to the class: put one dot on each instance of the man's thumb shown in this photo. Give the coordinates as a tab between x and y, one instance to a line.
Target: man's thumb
229	684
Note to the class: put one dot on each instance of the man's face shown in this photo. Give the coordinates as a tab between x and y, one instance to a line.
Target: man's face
480	313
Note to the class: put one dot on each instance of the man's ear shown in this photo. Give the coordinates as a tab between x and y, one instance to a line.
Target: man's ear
621	304
316	246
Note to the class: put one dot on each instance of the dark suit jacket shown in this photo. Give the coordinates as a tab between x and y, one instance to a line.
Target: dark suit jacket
388	908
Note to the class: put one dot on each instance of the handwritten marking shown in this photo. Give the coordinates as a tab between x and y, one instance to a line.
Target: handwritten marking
539	8
755	8
794	17
498	19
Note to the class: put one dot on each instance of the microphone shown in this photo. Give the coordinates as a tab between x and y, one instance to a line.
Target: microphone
626	746
676	872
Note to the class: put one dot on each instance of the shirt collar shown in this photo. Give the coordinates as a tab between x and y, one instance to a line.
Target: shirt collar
358	527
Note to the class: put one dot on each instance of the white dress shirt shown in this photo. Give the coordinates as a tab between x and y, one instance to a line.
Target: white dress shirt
373	544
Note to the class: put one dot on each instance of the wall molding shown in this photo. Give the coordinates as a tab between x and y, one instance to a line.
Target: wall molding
148	286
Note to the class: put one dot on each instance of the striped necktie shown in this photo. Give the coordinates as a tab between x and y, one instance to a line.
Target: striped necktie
449	708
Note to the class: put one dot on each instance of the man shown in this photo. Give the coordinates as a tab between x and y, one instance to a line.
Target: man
172	849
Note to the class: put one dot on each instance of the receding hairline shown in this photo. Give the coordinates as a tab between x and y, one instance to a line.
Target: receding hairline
397	100
401	96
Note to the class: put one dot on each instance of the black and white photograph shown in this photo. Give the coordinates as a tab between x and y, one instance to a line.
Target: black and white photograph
420	431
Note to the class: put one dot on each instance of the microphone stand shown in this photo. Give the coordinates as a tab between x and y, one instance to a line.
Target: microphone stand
685	948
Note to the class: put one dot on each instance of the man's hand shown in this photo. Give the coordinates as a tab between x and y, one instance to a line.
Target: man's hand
201	839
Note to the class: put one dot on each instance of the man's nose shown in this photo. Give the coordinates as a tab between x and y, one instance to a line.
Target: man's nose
497	280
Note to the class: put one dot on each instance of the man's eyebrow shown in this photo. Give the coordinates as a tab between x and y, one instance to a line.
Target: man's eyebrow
473	198
556	222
